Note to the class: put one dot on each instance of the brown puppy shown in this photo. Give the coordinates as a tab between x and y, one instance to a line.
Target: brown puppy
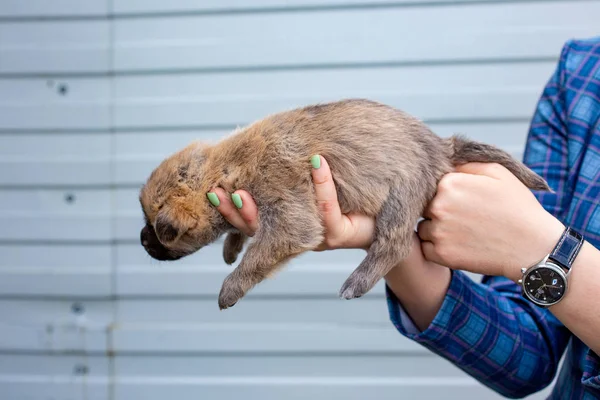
384	162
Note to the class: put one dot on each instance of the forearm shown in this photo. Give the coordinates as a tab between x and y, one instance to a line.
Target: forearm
420	287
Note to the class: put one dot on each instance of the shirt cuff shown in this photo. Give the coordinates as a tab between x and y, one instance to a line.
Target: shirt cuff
591	370
440	324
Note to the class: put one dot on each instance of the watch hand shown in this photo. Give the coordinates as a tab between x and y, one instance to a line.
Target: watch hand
540	290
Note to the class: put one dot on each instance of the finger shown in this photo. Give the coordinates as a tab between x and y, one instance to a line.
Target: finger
230	212
430	253
248	210
424	230
427	211
326	195
359	231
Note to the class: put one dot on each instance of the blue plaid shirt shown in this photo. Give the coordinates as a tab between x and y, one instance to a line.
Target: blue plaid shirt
488	329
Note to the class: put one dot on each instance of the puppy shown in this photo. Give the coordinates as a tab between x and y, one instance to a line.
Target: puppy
384	162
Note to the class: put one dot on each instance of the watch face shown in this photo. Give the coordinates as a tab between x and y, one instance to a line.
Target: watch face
545	285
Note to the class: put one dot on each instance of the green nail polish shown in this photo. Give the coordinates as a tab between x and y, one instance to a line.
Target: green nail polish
213	198
237	200
316	161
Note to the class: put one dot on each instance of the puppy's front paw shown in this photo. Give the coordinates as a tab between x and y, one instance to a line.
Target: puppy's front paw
231	292
230	255
234	244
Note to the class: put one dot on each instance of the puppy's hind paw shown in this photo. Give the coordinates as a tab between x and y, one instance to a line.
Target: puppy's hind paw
355	286
226	301
230	294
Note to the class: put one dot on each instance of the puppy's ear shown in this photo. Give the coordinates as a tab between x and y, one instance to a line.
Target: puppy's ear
166	230
171	223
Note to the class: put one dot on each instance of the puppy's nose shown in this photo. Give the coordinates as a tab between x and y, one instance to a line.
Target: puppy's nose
144	236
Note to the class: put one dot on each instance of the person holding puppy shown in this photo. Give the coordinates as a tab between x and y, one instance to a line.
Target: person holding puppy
484	220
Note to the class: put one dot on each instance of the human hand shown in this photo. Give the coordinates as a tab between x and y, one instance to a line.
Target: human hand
342	231
484	220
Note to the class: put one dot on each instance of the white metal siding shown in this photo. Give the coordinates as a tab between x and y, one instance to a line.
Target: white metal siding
96	93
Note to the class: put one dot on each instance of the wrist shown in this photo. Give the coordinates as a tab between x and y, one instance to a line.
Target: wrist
541	238
420	287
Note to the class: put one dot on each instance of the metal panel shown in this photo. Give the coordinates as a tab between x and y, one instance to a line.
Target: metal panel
54	326
390	376
47	104
270	311
264	338
464	92
192	326
301	388
45	8
286	365
414	34
129	219
54	215
54	46
53	377
223	6
54	159
55	270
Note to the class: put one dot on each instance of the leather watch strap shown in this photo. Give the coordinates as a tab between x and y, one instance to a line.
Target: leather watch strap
567	248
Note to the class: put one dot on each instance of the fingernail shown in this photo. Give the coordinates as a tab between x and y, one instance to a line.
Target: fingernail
315	161
213	198
237	200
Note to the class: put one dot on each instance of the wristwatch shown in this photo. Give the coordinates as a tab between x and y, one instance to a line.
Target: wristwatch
546	282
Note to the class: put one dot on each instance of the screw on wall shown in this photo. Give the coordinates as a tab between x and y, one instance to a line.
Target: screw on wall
63	88
77	308
70	198
81	369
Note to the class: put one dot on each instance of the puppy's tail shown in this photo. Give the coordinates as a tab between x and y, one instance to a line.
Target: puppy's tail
464	151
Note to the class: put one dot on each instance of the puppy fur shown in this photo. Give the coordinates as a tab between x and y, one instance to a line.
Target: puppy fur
384	162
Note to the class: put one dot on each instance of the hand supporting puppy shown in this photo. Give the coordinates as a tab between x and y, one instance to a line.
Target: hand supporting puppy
484	220
352	231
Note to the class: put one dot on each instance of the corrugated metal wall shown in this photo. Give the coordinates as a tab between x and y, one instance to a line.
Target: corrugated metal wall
96	93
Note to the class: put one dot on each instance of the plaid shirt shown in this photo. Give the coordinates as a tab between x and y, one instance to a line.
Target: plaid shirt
488	329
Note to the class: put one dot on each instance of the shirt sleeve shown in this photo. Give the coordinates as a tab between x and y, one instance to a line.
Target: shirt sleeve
591	370
488	329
